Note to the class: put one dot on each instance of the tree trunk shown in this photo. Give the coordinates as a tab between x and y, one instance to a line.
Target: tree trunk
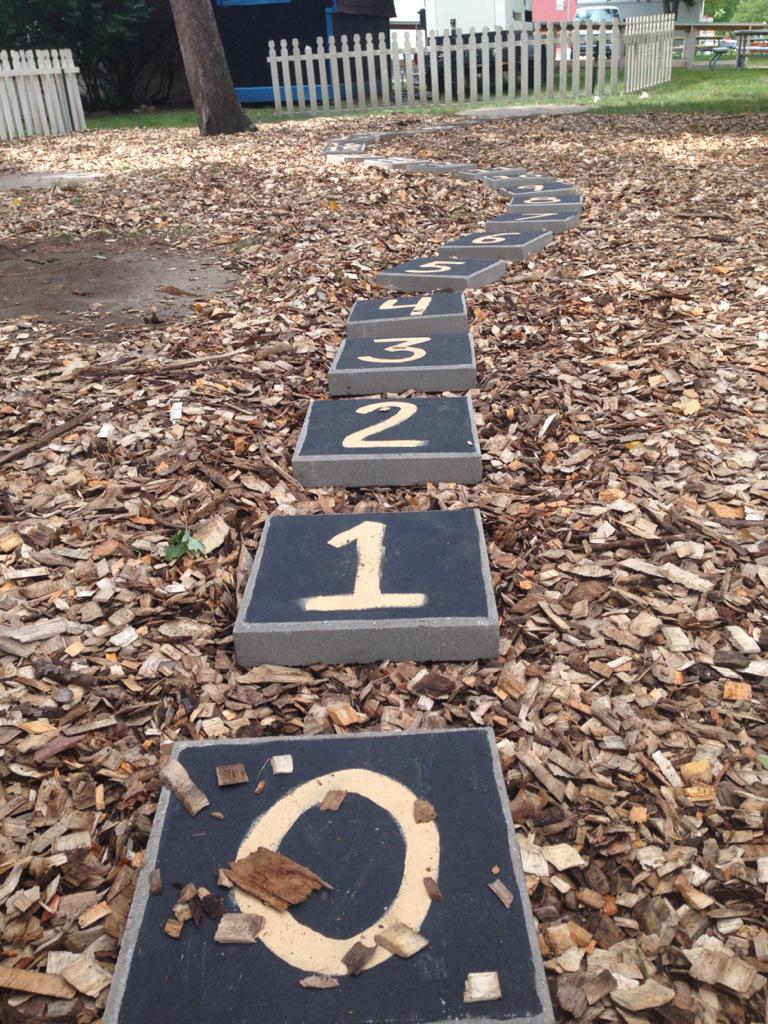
213	94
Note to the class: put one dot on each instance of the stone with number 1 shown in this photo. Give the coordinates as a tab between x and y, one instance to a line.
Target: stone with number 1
360	588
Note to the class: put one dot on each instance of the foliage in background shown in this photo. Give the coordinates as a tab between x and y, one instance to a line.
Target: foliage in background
126	49
737	10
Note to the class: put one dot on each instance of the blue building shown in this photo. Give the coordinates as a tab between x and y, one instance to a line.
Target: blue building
246	27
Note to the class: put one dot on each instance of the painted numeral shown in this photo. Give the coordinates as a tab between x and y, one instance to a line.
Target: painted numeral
417	308
436	267
368	537
490	240
403	411
410	347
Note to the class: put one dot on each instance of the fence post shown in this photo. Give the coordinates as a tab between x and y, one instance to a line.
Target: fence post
448	67
498	63
601	58
370	64
511	63
472	66
385	71
397	76
434	78
408	62
537	43
421	70
563	59
550	52
299	75
357	54
485	64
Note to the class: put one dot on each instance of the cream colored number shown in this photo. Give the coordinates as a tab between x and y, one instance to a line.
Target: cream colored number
403	411
489	240
436	267
417	308
410	347
368	537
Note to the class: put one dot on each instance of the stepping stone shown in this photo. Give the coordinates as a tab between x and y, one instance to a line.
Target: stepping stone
498	246
541	221
400	808
353	442
530	179
358	588
367	366
528	204
341	146
441	313
504	172
71	179
434	272
559	188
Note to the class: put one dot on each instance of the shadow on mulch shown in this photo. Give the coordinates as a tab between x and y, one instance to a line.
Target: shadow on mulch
107	281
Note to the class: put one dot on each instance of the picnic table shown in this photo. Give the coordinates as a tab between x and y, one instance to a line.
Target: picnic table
750	41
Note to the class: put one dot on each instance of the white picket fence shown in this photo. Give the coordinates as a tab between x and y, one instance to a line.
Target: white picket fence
648	48
39	94
525	62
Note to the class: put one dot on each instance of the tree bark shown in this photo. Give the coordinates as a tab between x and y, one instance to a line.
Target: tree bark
213	94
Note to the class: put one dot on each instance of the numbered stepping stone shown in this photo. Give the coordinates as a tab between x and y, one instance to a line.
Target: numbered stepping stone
503	172
340	146
401	855
561	188
367	366
360	588
499	246
406	315
562	204
537	221
430	272
530	179
355	442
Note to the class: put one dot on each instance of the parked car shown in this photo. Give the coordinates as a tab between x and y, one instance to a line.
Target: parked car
609	15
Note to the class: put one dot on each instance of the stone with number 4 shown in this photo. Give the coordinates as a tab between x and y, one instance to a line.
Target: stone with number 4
442	272
360	588
508	247
442	313
353	442
369	366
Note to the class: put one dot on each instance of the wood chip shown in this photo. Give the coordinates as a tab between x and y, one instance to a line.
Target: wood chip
173	928
401	940
503	893
231	774
86	975
275	879
175	776
433	889
238	928
319	981
36	983
282	764
482	987
357	957
333	800
647	996
423	811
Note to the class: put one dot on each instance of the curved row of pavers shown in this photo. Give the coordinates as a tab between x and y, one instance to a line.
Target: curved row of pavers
346	588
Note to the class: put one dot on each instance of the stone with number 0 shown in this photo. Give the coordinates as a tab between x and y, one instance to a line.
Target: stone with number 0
360	588
442	272
422	362
441	313
386	867
353	442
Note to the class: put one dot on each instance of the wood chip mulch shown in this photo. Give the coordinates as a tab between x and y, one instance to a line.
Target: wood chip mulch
622	400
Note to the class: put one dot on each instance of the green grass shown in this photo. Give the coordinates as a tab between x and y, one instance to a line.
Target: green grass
720	91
